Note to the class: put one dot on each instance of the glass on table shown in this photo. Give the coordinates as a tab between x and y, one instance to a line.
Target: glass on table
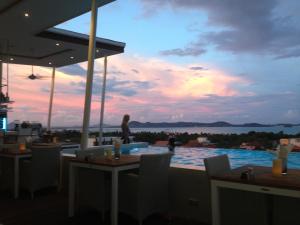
277	167
117	148
108	153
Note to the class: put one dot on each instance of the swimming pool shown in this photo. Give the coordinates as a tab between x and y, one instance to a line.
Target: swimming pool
193	157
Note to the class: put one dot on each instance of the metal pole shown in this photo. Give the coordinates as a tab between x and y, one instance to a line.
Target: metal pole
1	72
51	100
7	79
89	78
102	101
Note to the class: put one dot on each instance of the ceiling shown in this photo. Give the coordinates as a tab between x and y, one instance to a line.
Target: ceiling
32	40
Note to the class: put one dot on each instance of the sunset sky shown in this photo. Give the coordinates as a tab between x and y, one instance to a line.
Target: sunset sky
185	60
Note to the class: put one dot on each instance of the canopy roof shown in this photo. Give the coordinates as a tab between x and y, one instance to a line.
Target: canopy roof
27	35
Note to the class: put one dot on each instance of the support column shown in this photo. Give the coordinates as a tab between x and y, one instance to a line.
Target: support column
51	100
3	122
89	78
1	73
102	101
7	79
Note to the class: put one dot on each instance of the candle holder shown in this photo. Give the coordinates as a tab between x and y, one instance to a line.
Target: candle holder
22	146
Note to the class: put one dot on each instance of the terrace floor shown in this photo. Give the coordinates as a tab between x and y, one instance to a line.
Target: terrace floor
50	208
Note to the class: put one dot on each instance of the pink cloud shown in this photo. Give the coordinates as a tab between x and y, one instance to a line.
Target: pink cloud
147	88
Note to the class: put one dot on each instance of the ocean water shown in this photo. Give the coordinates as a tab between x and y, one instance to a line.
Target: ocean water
211	130
193	157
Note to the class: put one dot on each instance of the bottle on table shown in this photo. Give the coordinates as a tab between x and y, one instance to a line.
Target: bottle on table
117	148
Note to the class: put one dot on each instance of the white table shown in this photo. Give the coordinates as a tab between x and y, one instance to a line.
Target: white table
126	162
16	155
265	182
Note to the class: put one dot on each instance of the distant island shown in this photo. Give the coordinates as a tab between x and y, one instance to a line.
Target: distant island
136	124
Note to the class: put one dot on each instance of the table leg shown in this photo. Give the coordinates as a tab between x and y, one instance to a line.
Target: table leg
72	171
215	204
269	205
60	172
16	177
114	197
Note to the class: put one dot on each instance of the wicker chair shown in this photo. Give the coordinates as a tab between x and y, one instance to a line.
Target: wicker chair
146	193
93	185
217	165
236	205
42	170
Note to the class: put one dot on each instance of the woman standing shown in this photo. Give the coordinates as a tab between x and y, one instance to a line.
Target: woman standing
125	129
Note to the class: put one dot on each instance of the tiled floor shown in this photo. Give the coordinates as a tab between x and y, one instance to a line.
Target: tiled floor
50	208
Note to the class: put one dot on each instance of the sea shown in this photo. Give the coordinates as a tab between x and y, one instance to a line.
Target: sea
210	130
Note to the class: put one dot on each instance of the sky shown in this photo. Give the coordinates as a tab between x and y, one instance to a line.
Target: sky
185	60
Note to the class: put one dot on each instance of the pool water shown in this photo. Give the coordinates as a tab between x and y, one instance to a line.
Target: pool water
193	157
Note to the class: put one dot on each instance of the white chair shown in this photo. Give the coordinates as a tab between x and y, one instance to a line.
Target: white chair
42	170
217	165
145	193
236	205
23	133
93	187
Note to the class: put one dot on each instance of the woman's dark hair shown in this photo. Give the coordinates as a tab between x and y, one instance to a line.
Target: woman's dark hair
126	118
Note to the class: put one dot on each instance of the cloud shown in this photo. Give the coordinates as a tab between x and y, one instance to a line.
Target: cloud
257	26
244	108
113	85
136	71
192	50
289	54
197	68
292	114
142	84
161	91
116	72
45	89
75	70
121	87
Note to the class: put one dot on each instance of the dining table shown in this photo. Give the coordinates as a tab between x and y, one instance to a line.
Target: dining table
13	151
110	164
262	180
16	155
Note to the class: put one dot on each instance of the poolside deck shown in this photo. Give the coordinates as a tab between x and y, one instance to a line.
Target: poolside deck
50	208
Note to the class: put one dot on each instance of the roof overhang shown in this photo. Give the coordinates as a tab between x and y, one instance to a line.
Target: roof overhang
32	40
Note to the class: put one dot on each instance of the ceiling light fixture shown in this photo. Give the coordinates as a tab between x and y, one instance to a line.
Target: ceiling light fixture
97	50
50	63
72	57
57	44
26	14
11	59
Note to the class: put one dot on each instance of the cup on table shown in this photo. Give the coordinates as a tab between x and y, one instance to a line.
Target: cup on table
277	167
117	148
108	153
54	139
